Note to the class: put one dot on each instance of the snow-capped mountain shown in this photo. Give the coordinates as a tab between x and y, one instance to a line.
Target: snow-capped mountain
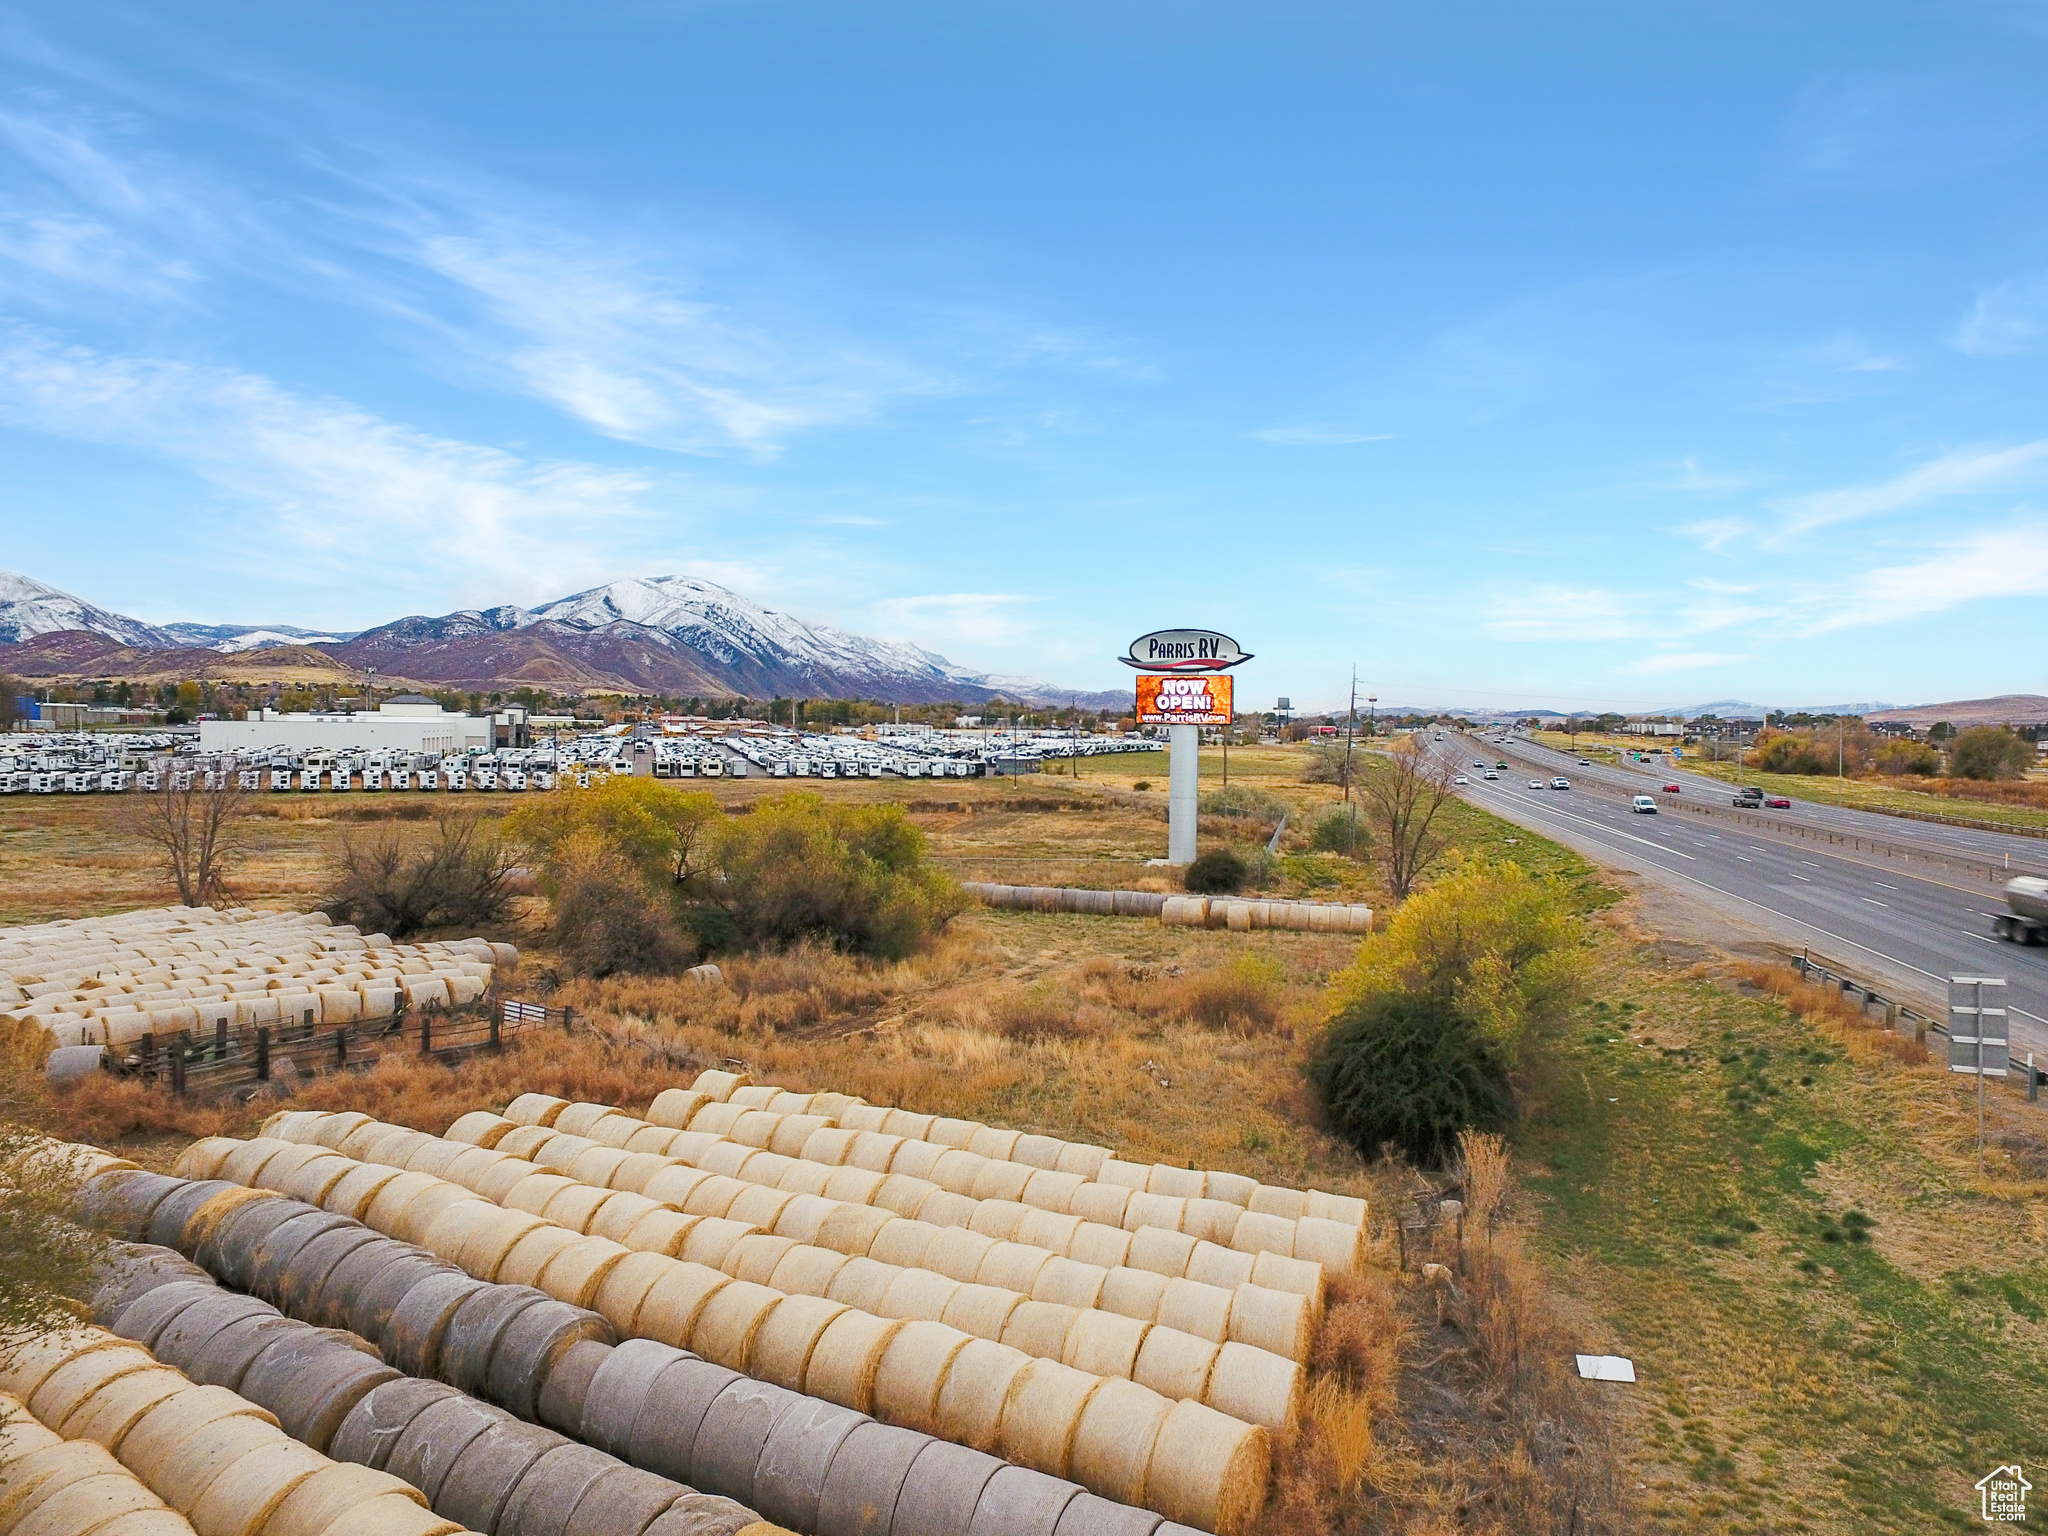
29	608
230	638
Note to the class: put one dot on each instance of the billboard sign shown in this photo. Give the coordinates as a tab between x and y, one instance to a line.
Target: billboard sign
1183	650
1200	700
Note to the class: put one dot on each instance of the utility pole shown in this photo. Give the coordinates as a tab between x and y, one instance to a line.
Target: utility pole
1350	806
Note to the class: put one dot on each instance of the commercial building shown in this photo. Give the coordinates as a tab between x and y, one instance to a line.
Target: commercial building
407	723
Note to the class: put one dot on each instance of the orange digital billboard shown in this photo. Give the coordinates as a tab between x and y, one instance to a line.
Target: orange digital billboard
1202	699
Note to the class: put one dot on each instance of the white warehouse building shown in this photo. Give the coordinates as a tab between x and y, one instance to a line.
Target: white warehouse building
407	723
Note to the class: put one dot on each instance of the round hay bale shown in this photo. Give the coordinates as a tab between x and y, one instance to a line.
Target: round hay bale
714	1196
896	1241
1176	1365
392	1146
806	1178
1208	1470
574	1274
437	1435
755	1095
867	1476
1104	1344
228	1251
1133	1293
331	1493
185	1335
805	1270
108	1415
723	1156
916	1294
998	1219
863	1116
1336	1245
356	1190
1257	1387
829	1145
574	1204
393	1197
1280	1322
718	1119
796	1458
560	1150
1047	1190
596	1165
67	1481
1211	1221
205	1453
1019	1499
481	1481
1183	1183
391	1514
535	1109
619	1390
1078	1157
1050	1230
673	1185
1278	1200
208	1219
475	1330
615	1130
430	1156
958	1252
1069	1282
794	1131
1012	1267
310	1382
1040	1328
1037	1151
333	1129
370	1429
640	1165
904	1123
141	1320
913	1368
1001	1181
942	1208
982	1311
803	1216
565	1394
952	1133
754	1258
388	1278
163	1435
957	1170
725	1328
671	1306
1236	1188
990	1142
1133	1176
126	1273
417	1324
783	1343
471	1165
20	1433
755	1128
533	1190
529	1348
1145	1209
225	1358
1213	1264
734	1429
939	1495
296	1288
1203	1310
1277	1272
71	1387
491	1240
1089	1515
898	1193
662	1230
845	1358
1113	1441
758	1206
1102	1203
525	1141
873	1151
1041	1416
711	1239
119	1203
480	1128
313	1178
202	1159
625	1287
674	1107
620	1501
276	1253
239	1502
663	1434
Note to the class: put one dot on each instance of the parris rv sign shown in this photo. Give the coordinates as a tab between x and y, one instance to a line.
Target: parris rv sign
1184	650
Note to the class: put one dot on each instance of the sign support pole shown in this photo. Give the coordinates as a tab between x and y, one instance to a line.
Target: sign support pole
1183	800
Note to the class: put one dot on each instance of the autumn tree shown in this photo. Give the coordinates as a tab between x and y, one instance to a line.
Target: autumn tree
1403	795
195	828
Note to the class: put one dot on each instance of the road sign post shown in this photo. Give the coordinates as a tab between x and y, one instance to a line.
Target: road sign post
1979	1041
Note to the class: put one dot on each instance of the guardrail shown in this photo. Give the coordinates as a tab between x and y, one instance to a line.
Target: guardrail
1896	1013
194	1065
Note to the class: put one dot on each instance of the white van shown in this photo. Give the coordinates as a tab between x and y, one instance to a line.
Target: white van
1643	805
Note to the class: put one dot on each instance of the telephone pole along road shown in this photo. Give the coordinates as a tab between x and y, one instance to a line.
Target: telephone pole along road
1901	904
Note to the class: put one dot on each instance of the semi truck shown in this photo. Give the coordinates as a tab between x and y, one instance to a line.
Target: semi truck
2027	922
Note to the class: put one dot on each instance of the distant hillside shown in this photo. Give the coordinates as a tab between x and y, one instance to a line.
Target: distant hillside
2005	709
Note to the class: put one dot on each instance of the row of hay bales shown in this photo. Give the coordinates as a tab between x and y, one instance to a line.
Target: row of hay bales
1207	1290
1120	1440
678	1107
110	981
545	1360
1238	914
50	1486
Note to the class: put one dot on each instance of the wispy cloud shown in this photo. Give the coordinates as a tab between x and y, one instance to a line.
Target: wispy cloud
938	618
1567	613
1681	661
1989	564
2008	319
1963	472
1316	437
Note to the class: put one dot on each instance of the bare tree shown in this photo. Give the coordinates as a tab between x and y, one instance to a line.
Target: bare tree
196	828
458	878
1402	798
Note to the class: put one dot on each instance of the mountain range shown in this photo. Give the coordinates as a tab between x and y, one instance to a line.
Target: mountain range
671	635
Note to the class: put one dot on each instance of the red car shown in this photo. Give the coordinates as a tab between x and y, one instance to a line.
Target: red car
1779	803
1670	789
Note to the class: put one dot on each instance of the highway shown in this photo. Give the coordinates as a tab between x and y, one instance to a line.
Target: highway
1902	904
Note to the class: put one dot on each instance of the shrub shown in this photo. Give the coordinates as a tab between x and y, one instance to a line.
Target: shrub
1990	752
1900	758
1247	804
1323	765
456	877
1341	830
854	877
1142	784
606	922
659	828
1218	872
1247	995
1409	1071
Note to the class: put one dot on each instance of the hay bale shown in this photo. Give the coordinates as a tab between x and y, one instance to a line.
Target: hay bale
661	1230
755	1257
956	1170
332	1130
356	1191
958	1252
331	1495
1132	1176
550	1489
730	1438
1336	1245
373	1427
990	1142
316	1176
862	1116
1258	1232
1019	1499
1203	1310
625	1287
942	1208
482	1479
652	1139
225	1358
673	1107
724	1156
530	1348
119	1203
167	1221
673	1185
1211	1221
670	1309
165	1434
714	1196
108	1415
1280	1322
981	1310
861	1283
1133	1293
898	1193
392	1198
1001	1181
1079	1157
417	1219
1070	1283
1012	1266
296	1287
390	1514
1215	1265
574	1274
664	1433
615	1130
435	1439
795	1460
196	1240
636	1169
1276	1200
526	1141
1257	1387
759	1206
939	1495
998	1219
624	1500
1184	1183
1089	1515
844	1360
475	1330
804	1216
805	1178
597	1164
901	1242
311	1381
202	1159
1277	1272
181	1339
1047	1190
1053	1231
711	1239
388	1280
1235	1188
205	1453
755	1128
1208	1470
1114	1439
704	1514
828	1145
916	1294
1040	1328
718	1119
523	1263
71	1385
872	1151
571	1204
806	1270
621	1389
912	1370
1037	1151
1104	1344
867	1476
480	1128
577	1119
239	1502
431	1156
726	1326
783	1343
1102	1203
140	1320
755	1095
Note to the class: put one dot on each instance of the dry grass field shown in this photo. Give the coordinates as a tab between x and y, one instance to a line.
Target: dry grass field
1772	1207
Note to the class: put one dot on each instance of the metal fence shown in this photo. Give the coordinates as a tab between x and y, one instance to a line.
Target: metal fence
195	1064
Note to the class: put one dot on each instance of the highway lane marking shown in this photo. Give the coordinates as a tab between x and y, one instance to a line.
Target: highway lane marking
1809	864
1617	832
1882	886
1745	858
1797	876
1876	903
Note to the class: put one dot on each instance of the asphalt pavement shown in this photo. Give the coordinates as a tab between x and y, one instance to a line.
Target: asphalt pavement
1903	904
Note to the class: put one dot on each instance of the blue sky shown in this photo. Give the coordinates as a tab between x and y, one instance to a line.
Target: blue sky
1611	354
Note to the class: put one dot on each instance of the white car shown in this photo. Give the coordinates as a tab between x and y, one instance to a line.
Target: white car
1461	779
1535	783
1489	774
1560	783
1643	805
